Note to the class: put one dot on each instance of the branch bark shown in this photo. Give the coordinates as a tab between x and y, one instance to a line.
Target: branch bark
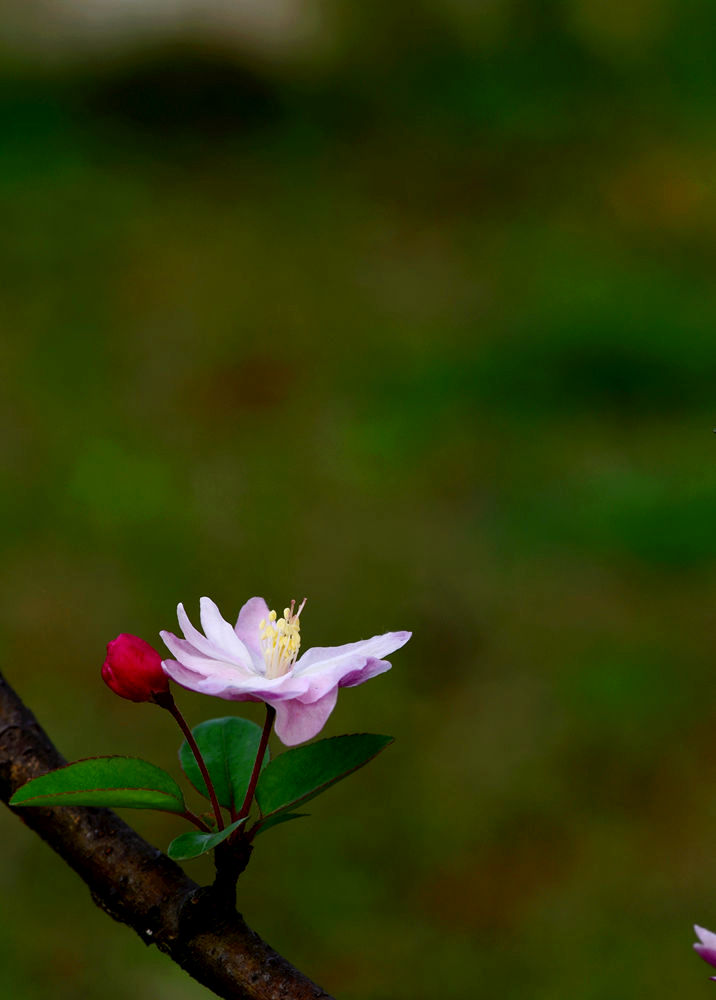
198	927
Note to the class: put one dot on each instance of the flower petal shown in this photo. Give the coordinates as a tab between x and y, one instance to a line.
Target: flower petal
194	636
187	654
319	657
221	634
706	937
371	668
297	722
220	683
248	631
182	675
707	948
197	672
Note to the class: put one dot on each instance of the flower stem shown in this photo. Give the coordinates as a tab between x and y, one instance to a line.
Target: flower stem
196	820
167	701
270	716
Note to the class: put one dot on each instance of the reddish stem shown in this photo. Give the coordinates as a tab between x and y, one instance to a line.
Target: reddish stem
167	701
246	806
196	820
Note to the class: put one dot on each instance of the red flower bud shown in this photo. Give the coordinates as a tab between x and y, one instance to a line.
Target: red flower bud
133	669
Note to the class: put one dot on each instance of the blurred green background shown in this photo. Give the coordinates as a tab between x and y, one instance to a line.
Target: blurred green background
409	308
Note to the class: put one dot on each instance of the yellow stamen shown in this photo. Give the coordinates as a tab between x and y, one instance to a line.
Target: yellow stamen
281	640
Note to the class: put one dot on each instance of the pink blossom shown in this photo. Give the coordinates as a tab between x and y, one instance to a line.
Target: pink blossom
706	949
257	660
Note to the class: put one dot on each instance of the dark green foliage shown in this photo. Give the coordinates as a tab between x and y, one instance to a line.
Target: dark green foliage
298	775
193	844
229	747
117	782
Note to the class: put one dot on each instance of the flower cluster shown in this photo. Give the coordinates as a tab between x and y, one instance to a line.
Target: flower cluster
228	760
255	660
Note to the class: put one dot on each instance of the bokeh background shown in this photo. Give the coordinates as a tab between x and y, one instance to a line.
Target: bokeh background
409	308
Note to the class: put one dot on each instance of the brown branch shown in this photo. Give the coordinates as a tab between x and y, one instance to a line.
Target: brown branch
198	927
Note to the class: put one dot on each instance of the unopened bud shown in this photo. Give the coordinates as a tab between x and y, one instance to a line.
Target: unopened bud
133	669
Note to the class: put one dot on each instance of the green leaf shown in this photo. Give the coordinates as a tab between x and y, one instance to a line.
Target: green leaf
299	775
276	819
192	844
229	747
118	782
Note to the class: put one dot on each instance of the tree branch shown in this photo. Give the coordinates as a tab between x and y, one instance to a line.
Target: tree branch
198	927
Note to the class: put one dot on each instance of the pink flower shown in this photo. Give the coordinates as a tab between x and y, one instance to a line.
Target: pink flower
707	948
133	669
257	660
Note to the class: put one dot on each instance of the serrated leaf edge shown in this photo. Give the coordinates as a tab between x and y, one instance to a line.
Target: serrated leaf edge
111	788
320	788
259	826
107	788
